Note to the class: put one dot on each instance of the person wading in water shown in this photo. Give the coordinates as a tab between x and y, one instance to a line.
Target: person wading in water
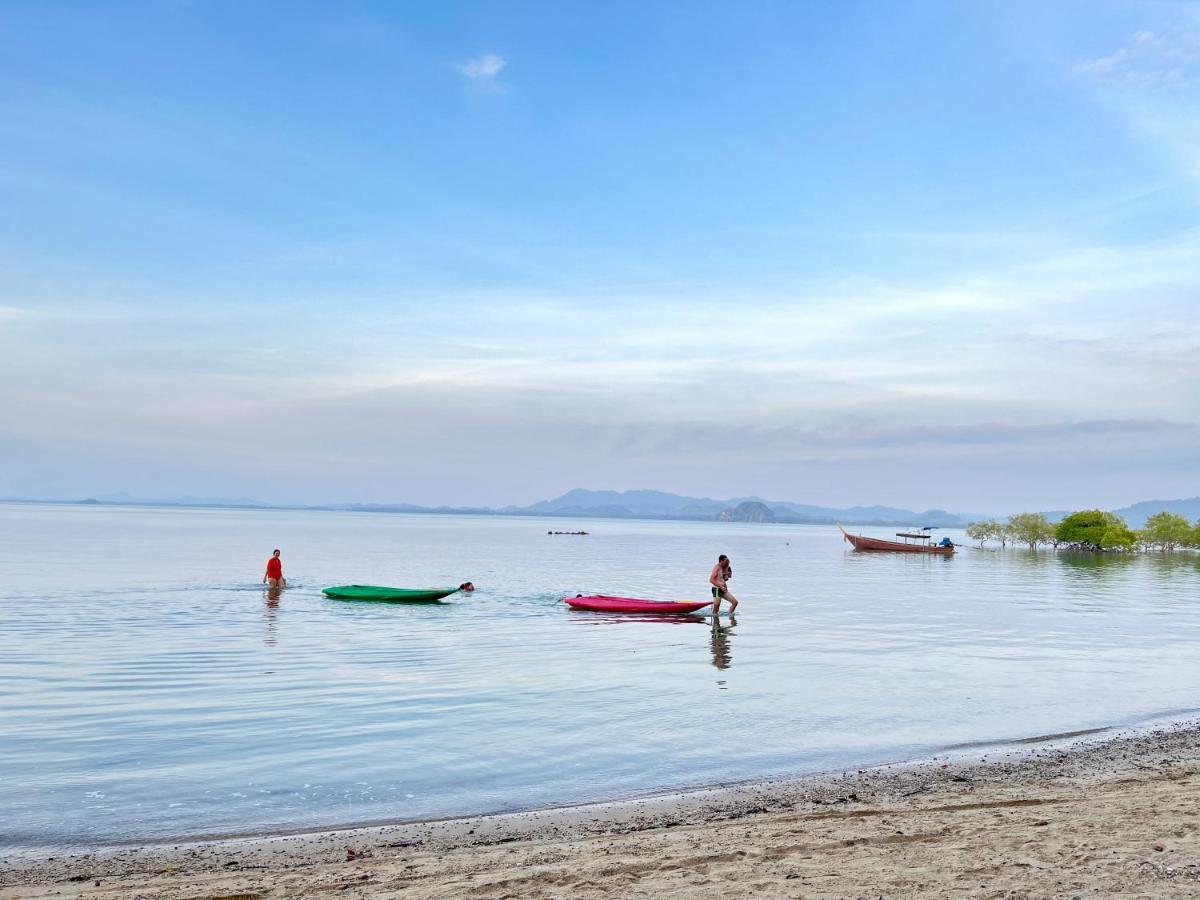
719	579
274	574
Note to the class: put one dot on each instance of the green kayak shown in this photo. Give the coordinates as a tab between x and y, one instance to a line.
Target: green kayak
387	594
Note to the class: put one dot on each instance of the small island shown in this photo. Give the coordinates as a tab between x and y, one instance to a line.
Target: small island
747	511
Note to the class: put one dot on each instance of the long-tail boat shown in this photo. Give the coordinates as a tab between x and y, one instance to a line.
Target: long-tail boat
912	543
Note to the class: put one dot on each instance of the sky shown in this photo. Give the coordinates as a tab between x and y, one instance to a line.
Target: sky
928	254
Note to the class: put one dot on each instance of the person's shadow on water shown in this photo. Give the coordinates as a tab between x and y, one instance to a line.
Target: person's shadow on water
722	657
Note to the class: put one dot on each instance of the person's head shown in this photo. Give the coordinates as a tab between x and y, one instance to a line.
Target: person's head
276	553
723	559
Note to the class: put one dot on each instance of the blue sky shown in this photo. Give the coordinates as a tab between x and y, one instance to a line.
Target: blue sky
931	254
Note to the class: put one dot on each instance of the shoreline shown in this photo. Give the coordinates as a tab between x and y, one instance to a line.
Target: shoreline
677	797
450	857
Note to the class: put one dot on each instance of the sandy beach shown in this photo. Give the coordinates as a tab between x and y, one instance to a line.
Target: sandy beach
1111	815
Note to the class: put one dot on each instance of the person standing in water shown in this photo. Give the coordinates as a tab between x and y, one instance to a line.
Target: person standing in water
719	579
274	574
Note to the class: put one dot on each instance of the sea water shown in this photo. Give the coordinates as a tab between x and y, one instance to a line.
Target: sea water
150	688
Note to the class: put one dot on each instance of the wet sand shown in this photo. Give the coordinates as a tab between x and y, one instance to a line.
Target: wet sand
1112	816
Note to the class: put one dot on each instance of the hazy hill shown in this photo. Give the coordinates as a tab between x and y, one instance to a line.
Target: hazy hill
747	511
646	504
627	503
1135	516
657	504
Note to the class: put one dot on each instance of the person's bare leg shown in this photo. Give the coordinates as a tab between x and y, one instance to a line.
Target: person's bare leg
732	602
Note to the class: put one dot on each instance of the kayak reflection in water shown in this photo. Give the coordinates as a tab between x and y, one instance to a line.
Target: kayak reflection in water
722	658
273	577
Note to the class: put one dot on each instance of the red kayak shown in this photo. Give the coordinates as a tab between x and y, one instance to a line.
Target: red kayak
600	603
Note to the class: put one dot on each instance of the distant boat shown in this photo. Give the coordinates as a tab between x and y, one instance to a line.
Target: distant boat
912	543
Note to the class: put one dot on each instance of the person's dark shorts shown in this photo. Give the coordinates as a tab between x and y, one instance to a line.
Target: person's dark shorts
718	593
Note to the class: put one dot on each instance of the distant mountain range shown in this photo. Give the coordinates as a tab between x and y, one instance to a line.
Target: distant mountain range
659	505
581	503
1135	516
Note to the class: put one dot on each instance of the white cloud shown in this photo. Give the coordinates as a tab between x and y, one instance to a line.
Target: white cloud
1150	59
1153	82
484	68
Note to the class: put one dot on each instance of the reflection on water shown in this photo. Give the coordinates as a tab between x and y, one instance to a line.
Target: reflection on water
594	617
1172	563
152	688
722	658
270	610
1110	563
1101	563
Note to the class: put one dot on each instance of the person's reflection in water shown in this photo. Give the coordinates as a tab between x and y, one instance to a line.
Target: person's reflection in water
721	655
271	608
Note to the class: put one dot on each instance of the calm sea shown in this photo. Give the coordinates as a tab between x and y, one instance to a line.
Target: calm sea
150	688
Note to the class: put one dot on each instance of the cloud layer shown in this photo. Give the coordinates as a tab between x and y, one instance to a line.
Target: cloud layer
687	254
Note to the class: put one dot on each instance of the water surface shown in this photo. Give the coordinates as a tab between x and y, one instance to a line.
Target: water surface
149	687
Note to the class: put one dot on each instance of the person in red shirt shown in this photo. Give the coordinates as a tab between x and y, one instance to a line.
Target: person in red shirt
274	574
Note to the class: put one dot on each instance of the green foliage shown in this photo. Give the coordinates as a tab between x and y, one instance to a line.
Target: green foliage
1095	529
978	531
1030	528
1118	537
985	531
1024	528
1166	531
1088	529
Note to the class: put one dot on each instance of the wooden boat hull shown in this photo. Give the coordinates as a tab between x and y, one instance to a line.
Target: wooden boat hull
858	542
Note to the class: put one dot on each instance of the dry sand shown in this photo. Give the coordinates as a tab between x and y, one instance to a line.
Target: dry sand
1097	818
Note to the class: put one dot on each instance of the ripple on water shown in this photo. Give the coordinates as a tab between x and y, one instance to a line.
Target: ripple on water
160	690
